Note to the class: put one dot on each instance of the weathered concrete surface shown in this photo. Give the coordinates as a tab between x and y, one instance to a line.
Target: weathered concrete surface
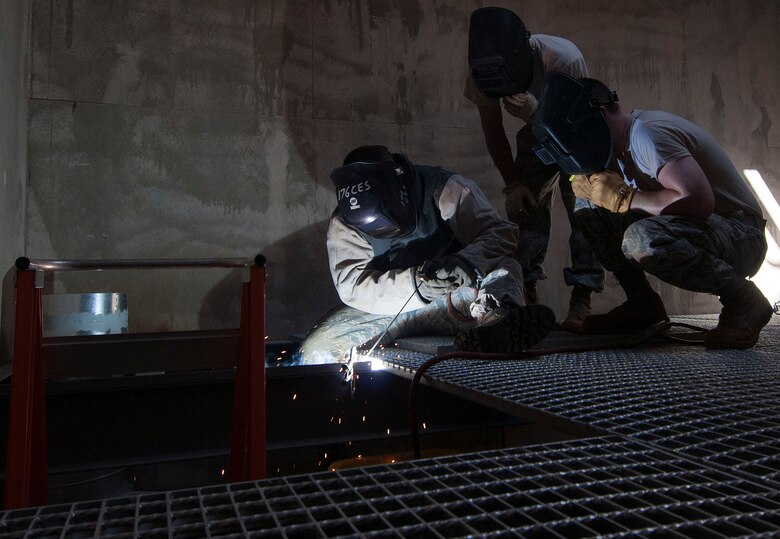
208	128
14	72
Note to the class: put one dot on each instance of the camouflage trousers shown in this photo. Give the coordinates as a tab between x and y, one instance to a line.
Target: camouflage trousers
692	254
534	223
330	340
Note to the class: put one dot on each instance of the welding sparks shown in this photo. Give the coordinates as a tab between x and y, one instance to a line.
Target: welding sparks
375	363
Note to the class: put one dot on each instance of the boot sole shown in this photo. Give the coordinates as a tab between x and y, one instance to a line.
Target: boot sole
519	330
716	344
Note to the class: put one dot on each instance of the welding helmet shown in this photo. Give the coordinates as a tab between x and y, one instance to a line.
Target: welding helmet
500	54
570	127
377	198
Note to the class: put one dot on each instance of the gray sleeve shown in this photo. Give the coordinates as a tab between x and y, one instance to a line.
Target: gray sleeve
358	286
653	146
488	237
559	54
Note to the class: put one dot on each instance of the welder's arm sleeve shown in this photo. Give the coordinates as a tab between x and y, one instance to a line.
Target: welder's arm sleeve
359	286
487	237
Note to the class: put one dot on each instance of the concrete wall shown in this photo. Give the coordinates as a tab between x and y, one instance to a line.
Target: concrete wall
14	72
207	128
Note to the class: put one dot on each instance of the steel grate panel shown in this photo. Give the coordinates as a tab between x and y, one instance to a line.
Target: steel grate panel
723	406
596	487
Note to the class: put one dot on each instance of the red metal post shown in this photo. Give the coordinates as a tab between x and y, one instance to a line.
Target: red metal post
238	445
248	450
25	483
257	404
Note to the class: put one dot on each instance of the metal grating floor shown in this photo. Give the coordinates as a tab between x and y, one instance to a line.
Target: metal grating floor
610	487
722	406
690	448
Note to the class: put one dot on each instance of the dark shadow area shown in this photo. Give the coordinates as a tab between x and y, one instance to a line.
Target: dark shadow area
299	288
151	433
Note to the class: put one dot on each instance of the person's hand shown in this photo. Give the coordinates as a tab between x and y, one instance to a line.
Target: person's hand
608	190
439	276
520	106
580	184
518	197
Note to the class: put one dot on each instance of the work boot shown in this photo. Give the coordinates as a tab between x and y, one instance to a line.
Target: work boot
743	316
522	328
579	309
636	314
531	293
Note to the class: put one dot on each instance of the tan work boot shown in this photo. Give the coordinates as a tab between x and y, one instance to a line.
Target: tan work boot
522	328
741	320
633	315
579	309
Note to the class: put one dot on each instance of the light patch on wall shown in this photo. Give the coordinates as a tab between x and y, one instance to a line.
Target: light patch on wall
768	277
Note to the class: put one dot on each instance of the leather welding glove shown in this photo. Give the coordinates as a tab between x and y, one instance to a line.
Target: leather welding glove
520	106
608	190
439	276
580	184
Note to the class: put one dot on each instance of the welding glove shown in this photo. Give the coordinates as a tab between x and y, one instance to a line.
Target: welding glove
608	190
580	184
520	106
439	276
518	197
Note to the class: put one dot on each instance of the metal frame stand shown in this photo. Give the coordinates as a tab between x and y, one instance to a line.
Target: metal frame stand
26	470
247	453
25	482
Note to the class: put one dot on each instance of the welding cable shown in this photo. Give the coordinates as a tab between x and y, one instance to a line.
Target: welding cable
649	332
682	339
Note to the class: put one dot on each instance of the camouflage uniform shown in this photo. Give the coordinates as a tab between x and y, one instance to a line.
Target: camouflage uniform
331	339
692	254
551	53
534	223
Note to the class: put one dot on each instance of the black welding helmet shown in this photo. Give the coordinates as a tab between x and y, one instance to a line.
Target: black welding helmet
377	198
570	128
500	55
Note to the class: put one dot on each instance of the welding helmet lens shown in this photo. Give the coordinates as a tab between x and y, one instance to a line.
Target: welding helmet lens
500	54
376	198
570	128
